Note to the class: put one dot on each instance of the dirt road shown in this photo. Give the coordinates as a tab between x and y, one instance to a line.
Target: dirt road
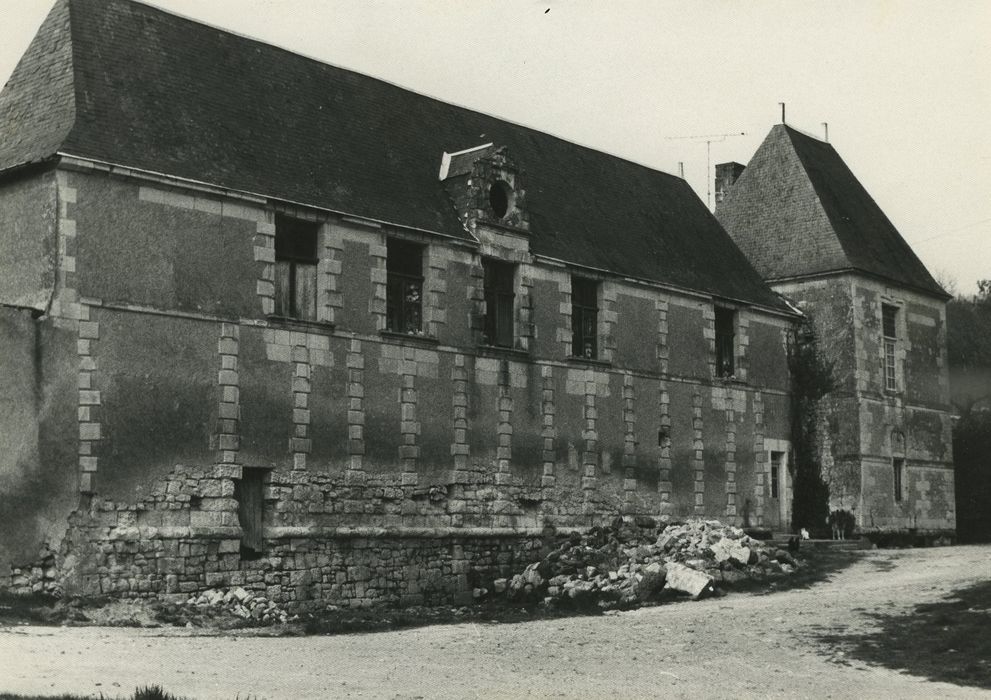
737	646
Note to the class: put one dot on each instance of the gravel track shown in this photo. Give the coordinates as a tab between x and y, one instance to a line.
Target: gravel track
737	646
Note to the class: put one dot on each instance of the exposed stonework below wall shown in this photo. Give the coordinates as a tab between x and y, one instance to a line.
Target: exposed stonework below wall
326	542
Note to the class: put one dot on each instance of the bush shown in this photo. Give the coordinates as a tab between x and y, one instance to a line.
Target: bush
844	520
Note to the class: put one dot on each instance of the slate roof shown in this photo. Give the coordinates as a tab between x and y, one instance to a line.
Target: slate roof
797	210
154	91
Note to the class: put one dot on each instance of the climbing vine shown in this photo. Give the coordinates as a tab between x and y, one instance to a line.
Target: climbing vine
812	379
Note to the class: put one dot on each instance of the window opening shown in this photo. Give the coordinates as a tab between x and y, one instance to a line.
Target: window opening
584	317
888	316
725	332
296	268
777	458
898	465
499	198
249	493
499	301
404	287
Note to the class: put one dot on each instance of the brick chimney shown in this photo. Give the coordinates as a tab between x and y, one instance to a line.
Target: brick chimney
726	175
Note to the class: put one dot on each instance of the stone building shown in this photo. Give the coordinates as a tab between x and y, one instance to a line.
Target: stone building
391	343
816	236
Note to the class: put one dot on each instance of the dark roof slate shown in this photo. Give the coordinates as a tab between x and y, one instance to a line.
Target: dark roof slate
798	210
37	108
163	93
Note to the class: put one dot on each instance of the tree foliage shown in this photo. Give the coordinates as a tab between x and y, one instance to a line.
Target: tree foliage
968	329
972	461
812	379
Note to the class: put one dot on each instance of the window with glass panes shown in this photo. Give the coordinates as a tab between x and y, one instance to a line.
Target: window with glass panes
296	268
499	300
404	287
725	332
889	316
584	317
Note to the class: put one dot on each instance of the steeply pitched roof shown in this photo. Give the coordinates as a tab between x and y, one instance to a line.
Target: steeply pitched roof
798	210
37	106
154	91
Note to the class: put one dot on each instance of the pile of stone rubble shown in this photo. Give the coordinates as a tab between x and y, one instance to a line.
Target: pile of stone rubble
239	603
622	567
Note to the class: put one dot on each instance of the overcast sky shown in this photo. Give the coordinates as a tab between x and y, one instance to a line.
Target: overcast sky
903	85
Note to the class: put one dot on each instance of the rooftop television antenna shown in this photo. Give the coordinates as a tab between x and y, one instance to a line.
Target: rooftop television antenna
709	140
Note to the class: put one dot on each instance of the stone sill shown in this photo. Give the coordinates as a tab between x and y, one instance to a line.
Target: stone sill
586	361
501	351
410	338
299	324
503	226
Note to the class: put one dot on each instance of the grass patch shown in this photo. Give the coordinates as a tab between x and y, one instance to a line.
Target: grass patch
945	641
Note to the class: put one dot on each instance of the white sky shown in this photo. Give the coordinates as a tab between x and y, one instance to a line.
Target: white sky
904	85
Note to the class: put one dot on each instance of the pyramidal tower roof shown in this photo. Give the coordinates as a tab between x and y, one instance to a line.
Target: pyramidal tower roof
38	106
797	210
124	83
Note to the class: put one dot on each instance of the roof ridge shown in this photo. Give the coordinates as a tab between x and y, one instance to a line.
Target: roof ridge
384	81
807	134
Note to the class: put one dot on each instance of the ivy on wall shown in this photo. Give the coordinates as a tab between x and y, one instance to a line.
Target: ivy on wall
812	378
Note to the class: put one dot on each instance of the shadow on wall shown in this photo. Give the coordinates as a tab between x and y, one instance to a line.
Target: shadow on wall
38	472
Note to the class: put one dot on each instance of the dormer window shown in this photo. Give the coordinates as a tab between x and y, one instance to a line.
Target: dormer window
486	187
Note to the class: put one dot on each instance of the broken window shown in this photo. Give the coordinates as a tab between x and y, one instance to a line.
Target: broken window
662	437
898	465
249	492
500	199
889	314
296	268
404	287
584	317
725	333
499	300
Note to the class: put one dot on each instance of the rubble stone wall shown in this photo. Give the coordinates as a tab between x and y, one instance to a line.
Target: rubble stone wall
325	541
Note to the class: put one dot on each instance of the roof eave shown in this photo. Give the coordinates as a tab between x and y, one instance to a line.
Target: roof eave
859	271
